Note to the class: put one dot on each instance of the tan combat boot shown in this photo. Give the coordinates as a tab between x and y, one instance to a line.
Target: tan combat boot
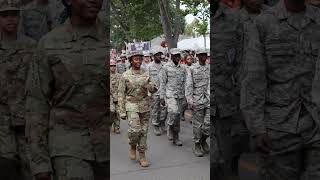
143	161
132	152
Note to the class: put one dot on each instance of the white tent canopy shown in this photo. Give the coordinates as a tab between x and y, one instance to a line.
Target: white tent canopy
194	43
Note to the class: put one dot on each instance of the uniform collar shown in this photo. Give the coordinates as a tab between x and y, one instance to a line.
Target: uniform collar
77	33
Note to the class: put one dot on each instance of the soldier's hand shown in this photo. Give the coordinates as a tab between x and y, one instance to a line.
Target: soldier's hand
263	143
162	102
43	176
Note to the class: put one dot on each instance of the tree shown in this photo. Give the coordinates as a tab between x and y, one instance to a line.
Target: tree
172	21
134	20
201	10
189	29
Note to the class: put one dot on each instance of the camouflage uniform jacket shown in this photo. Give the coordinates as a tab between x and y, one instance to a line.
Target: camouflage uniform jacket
67	97
281	57
114	83
35	20
15	58
133	92
226	54
154	72
246	20
121	67
197	86
172	81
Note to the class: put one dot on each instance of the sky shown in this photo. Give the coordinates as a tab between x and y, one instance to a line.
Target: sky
189	18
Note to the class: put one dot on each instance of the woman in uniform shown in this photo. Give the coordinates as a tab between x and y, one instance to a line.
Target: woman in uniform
134	105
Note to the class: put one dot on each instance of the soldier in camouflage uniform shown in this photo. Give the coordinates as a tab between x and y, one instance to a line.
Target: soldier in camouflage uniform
122	66
146	61
114	82
187	66
199	100
16	54
276	92
226	52
154	70
36	19
172	92
68	99
134	106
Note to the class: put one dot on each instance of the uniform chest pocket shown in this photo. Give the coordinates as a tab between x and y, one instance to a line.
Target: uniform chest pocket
180	76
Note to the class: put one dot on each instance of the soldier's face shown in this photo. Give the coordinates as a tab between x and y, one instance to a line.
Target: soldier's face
189	60
147	59
175	58
157	57
9	21
113	68
86	9
202	57
136	62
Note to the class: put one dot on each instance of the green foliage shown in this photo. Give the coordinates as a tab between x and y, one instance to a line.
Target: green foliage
201	10
134	19
202	27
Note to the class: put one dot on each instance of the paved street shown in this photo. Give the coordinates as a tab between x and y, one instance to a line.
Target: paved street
167	162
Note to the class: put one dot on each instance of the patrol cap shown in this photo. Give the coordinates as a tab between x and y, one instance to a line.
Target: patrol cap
135	53
202	51
158	50
9	5
147	54
175	51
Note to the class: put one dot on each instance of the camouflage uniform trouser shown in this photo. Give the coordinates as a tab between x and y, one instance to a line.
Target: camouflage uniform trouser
71	168
232	140
155	115
138	129
116	117
174	114
184	108
14	154
201	124
294	156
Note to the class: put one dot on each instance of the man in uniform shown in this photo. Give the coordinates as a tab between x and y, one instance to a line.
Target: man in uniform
226	55
154	70
276	92
114	82
146	61
68	99
172	92
188	61
122	66
199	100
36	20
16	53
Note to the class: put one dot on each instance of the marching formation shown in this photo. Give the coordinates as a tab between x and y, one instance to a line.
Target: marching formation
157	88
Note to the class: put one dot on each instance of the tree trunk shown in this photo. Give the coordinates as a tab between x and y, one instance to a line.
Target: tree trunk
171	38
